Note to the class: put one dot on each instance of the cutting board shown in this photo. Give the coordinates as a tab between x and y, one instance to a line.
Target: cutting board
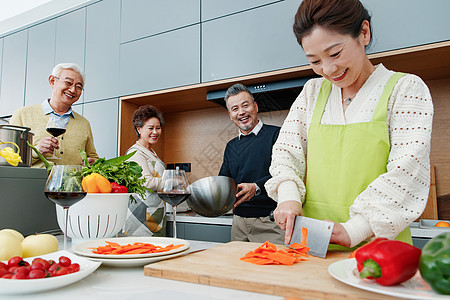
220	266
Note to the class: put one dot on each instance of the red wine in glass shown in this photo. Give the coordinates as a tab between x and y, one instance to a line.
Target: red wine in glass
172	198
65	199
55	131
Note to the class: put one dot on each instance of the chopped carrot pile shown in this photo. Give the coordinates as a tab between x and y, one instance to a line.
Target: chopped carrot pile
268	254
136	248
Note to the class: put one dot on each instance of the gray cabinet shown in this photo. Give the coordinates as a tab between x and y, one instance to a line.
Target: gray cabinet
253	41
1	62
217	8
200	232
143	18
162	61
103	117
70	37
102	50
404	23
13	72
40	62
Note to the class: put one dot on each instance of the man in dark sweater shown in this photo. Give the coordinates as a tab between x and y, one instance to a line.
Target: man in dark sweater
247	159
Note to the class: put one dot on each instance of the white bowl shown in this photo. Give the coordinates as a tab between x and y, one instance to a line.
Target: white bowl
96	216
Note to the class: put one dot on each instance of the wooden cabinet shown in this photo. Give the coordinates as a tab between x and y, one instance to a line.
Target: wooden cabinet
13	72
162	61
102	50
250	42
142	18
103	120
212	9
40	62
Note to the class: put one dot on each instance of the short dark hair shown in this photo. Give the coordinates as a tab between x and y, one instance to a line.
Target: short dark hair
143	113
236	89
342	16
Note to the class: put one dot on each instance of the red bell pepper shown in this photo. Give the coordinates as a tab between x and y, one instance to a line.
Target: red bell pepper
117	188
389	262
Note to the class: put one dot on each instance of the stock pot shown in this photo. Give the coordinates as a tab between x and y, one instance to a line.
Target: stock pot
19	135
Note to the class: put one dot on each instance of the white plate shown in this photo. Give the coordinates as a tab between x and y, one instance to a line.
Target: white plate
135	262
85	249
415	288
14	286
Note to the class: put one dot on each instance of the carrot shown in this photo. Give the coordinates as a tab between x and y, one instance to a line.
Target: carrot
304	236
112	248
268	254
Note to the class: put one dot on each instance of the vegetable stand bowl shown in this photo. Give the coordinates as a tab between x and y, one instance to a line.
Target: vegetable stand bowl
14	286
97	216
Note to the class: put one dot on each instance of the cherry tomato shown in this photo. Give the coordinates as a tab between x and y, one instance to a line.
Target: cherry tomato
61	271
22	271
19	276
64	261
37	273
37	265
3	265
3	272
7	276
53	268
12	270
74	268
15	261
42	261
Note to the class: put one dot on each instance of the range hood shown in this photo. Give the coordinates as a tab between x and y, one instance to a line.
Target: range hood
272	96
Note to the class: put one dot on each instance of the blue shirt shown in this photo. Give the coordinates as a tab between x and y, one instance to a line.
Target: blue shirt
49	110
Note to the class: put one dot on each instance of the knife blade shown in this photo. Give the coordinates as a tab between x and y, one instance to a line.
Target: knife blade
318	234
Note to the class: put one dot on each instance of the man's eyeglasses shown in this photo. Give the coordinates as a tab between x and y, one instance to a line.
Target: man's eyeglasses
78	87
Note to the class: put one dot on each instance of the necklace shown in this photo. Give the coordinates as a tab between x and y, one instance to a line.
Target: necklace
347	101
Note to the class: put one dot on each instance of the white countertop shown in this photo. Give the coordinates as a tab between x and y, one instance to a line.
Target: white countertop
130	283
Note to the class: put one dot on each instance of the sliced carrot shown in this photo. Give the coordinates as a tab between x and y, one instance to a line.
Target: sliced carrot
268	253
137	248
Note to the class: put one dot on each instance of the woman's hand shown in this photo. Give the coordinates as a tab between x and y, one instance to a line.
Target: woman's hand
284	216
339	235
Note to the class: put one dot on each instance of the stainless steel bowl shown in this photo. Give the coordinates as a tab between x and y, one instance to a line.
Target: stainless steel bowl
212	196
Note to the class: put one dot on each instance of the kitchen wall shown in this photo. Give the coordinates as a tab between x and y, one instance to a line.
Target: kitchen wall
135	46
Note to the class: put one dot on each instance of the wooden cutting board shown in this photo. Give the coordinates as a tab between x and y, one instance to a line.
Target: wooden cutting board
220	266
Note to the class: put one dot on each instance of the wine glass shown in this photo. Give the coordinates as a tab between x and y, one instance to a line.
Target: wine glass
63	187
175	189
55	126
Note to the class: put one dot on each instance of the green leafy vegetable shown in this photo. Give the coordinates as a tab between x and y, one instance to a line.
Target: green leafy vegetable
48	164
120	171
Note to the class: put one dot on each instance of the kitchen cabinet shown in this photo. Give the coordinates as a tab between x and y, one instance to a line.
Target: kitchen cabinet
161	61
13	72
250	42
1	63
103	120
142	18
191	230
102	50
405	23
70	38
212	9
40	61
24	205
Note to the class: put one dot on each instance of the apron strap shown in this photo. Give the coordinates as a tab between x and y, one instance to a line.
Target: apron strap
381	111
322	100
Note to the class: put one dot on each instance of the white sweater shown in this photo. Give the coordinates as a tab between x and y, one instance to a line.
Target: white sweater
393	200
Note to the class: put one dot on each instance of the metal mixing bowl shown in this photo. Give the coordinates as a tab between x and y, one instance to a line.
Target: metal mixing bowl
212	196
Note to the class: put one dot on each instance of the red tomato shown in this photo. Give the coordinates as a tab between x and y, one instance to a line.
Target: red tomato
64	261
12	270
22	271
3	272
19	276
45	263
37	265
7	276
15	261
37	273
3	265
61	271
54	267
74	268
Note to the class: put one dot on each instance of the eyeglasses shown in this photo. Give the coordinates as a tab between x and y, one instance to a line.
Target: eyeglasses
78	87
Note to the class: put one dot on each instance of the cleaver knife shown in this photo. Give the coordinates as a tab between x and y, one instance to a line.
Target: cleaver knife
319	234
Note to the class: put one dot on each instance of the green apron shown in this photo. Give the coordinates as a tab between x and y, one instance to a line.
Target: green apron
342	160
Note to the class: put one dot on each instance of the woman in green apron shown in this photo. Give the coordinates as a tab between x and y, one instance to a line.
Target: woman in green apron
147	217
355	146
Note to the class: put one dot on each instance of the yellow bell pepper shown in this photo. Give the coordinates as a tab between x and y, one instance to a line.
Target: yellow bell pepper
13	158
96	183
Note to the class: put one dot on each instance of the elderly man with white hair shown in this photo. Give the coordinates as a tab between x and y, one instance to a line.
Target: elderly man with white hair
67	82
